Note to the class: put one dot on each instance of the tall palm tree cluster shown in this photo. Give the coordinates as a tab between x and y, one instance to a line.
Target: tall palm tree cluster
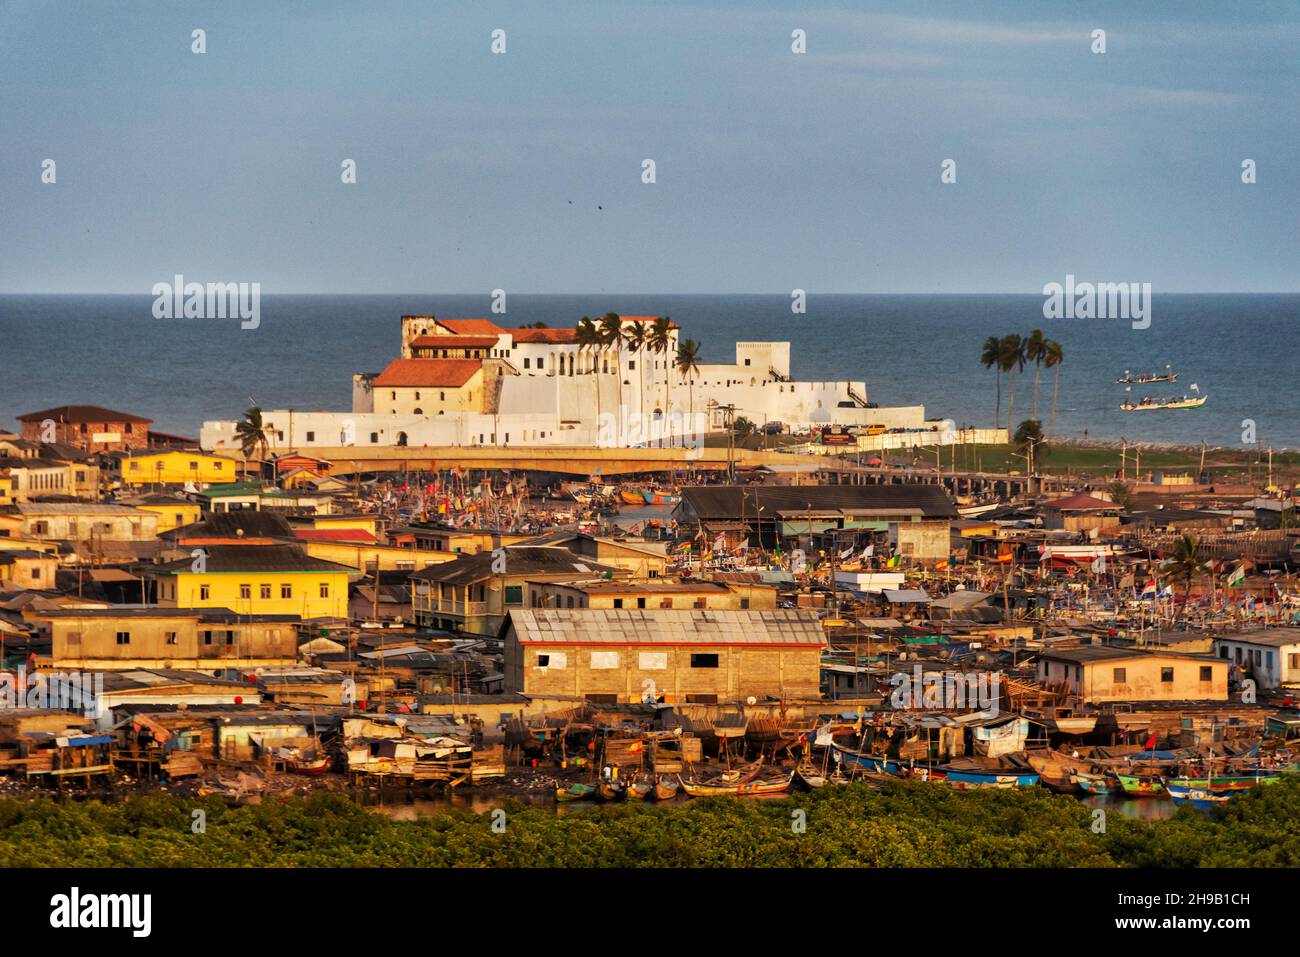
1011	354
641	340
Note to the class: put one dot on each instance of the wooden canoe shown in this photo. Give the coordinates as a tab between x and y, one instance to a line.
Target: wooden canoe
577	791
811	777
639	790
312	766
608	791
666	790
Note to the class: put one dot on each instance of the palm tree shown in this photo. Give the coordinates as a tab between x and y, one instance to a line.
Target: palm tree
991	358
587	336
688	364
637	337
252	434
1185	563
1035	348
1012	349
661	339
1052	358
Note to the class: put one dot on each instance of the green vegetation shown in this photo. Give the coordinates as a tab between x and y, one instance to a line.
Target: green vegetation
908	824
1103	461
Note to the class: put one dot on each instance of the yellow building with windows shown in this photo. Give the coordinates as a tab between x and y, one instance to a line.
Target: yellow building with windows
177	468
172	513
256	580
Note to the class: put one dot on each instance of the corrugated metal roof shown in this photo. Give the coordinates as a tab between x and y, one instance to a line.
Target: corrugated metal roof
725	501
593	626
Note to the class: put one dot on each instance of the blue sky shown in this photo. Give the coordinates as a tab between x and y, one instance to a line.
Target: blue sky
774	170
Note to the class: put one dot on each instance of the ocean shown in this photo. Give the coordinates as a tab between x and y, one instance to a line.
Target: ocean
1239	349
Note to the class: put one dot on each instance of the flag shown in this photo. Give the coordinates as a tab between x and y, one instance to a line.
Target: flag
1149	589
892	563
941	564
1005	557
1099	564
1151	742
846	553
1237	575
869	551
706	556
719	543
684	547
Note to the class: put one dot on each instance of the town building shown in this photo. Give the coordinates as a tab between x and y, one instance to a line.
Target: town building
173	467
143	636
1096	674
658	594
1269	656
475	593
1081	513
78	521
90	428
690	656
255	580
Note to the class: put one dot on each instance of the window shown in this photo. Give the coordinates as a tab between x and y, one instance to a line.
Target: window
36	574
245	591
286	591
1207	673
1121	676
194	466
704	661
604	660
264	591
640	602
653	661
618	603
701	603
205	592
74	638
311	436
324	589
135	466
543	661
552	659
701	699
744	603
514	594
123	637
207	637
40	528
527	363
171	638
1293	661
374	438
1167	675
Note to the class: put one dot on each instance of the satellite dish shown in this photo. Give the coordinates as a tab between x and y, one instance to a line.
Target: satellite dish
751	700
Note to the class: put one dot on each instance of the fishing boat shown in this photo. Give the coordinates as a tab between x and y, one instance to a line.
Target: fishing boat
610	790
1141	785
666	790
1055	772
1224	783
577	791
640	790
632	496
876	763
750	788
1147	377
810	777
312	766
658	496
1174	402
969	779
1196	797
1090	783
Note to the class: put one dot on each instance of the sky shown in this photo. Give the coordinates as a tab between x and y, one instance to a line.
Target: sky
774	170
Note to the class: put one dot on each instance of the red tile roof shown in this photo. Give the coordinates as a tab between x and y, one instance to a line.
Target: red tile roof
455	342
471	327
334	535
543	335
431	373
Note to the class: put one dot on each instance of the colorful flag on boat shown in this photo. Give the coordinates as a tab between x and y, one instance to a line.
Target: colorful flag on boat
1149	589
941	564
1236	576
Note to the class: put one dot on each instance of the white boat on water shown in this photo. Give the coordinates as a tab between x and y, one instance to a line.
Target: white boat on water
1177	402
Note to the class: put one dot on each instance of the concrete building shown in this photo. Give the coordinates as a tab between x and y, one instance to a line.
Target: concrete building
1101	673
76	521
90	428
1270	656
675	657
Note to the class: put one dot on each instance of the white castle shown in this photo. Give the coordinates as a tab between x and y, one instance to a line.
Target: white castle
467	382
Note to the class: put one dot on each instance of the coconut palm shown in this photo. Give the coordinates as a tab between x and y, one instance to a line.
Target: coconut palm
1012	350
1053	356
637	337
991	358
661	340
688	364
1185	562
252	432
1035	347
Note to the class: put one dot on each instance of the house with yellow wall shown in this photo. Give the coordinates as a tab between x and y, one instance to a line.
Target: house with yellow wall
1101	673
429	387
172	512
28	568
177	468
255	580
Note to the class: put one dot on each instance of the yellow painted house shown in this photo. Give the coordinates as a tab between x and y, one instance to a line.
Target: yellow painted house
256	580
172	513
176	468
